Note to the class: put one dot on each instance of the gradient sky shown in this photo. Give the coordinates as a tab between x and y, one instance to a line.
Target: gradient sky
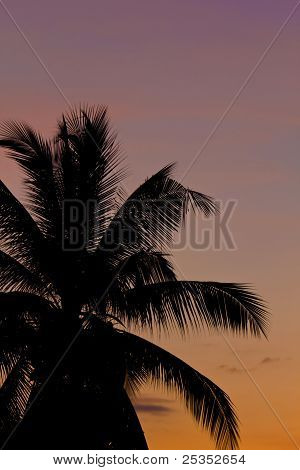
168	70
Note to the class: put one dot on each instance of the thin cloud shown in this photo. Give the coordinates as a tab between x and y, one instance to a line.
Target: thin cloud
155	406
230	369
153	409
270	360
237	370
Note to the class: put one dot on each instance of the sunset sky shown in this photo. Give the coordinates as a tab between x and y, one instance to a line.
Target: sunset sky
168	70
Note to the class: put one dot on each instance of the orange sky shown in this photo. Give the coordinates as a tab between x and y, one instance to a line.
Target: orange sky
168	70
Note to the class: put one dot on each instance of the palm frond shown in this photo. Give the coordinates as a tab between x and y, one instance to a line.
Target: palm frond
19	235
35	156
15	276
8	359
122	269
198	201
11	302
14	394
209	405
153	212
21	316
90	155
183	304
143	267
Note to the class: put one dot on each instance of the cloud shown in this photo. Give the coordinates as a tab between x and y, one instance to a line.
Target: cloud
230	370
270	360
154	409
153	405
237	370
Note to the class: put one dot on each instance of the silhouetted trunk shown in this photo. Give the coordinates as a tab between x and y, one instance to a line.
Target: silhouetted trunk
84	404
68	420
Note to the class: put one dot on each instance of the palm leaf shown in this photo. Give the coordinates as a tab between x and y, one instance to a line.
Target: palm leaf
154	211
15	276
14	394
91	157
8	359
35	156
142	268
184	304
19	234
21	316
122	269
209	405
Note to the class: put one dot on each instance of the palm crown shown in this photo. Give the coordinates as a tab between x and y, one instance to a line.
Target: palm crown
119	278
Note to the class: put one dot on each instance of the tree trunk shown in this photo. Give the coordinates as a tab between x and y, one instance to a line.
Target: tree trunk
68	420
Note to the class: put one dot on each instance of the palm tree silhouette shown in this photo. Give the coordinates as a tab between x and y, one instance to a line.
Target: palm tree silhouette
68	363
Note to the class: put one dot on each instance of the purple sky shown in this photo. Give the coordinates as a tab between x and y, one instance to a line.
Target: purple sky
168	70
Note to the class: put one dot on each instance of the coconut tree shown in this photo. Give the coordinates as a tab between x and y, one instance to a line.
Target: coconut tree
81	268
